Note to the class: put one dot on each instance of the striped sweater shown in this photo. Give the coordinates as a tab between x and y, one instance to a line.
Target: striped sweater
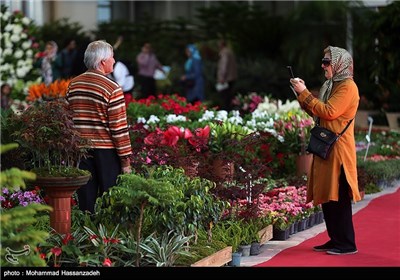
99	112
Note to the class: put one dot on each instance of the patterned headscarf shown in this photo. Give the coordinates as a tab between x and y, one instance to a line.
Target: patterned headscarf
342	68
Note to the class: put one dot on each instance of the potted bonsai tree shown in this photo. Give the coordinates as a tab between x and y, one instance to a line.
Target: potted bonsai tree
52	148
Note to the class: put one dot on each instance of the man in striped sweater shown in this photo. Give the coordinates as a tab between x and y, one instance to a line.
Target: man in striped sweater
100	115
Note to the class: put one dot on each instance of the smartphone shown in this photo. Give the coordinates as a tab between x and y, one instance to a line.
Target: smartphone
292	77
290	72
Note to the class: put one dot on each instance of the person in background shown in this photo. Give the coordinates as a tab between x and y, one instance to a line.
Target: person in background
333	182
5	96
193	79
49	62
147	65
68	55
99	113
122	76
226	75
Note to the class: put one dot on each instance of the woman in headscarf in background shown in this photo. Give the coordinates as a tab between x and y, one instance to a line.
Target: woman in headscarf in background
193	79
49	62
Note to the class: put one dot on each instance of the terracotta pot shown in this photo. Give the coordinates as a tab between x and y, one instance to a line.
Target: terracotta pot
60	190
223	170
190	165
303	164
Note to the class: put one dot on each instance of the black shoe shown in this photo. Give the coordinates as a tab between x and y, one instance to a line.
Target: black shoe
336	251
325	247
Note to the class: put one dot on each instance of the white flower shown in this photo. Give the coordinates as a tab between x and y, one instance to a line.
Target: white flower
6	16
153	119
172	118
16	55
141	120
26	21
26	45
17	29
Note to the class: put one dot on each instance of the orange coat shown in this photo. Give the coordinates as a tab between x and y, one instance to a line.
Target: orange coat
323	181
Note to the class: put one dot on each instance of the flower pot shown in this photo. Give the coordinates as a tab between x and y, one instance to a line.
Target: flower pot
190	165
223	170
279	234
303	164
60	190
255	248
302	225
236	258
245	250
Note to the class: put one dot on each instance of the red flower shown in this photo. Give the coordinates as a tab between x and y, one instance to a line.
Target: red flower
67	238
56	251
107	262
93	236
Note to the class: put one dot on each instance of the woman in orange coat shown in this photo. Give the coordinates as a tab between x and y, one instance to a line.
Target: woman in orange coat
333	182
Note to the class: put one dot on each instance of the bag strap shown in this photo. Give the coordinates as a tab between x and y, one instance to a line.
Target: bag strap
340	134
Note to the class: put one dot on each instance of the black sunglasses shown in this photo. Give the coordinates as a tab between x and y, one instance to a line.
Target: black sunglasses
326	61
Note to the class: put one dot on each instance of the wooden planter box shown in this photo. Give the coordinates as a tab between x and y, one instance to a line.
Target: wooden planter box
393	120
265	234
217	259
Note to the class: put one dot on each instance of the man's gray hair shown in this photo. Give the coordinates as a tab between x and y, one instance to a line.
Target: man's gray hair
95	52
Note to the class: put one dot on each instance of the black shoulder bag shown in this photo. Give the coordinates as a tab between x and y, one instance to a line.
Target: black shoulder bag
322	140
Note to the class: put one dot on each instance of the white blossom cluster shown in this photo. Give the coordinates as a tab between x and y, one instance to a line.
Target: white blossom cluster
16	49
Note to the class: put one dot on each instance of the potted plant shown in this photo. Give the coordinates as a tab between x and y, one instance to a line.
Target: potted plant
294	126
223	135
52	149
181	146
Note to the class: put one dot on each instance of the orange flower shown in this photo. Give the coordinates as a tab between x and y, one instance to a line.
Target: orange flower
56	89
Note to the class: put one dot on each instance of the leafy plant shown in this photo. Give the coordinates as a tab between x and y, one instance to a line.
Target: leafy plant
17	234
47	133
138	190
222	133
165	252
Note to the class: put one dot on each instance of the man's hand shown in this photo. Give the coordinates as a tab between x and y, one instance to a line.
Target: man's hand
126	169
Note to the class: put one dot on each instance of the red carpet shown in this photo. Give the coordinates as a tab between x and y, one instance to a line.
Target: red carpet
377	228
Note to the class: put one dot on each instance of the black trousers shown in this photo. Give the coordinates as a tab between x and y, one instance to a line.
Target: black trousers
105	166
147	86
339	219
227	96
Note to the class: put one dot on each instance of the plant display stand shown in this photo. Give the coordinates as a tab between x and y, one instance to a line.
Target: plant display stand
217	259
265	234
60	190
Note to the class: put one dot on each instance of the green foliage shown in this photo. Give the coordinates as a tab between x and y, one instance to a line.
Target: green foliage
165	252
222	133
17	234
385	24
236	232
384	170
14	177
